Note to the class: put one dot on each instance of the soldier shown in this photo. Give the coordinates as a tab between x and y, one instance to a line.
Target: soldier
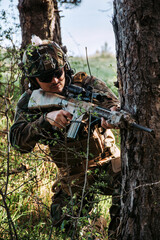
46	66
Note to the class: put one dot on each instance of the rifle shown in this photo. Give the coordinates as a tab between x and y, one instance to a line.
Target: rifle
79	102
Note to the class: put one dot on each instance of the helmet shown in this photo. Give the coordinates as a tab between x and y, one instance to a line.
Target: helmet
42	59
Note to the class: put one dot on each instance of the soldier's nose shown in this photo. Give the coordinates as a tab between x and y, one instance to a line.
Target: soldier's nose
55	80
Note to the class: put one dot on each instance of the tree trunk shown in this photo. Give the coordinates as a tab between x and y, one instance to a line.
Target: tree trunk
137	31
39	17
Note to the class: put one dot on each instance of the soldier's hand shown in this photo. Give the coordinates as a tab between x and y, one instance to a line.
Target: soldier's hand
105	124
59	118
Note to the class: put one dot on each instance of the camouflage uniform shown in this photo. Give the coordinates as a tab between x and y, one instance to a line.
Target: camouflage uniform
31	127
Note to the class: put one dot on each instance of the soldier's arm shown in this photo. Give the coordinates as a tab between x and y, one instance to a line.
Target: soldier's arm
28	128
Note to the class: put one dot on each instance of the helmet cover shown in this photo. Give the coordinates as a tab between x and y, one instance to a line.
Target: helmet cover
44	58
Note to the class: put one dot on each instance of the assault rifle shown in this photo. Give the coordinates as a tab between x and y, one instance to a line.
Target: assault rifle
79	102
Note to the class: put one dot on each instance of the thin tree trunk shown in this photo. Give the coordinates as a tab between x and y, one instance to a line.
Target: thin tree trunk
137	31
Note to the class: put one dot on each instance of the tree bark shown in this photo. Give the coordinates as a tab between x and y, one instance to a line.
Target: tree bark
39	17
137	30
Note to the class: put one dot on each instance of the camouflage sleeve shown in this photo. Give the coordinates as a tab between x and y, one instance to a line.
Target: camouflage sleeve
28	128
98	86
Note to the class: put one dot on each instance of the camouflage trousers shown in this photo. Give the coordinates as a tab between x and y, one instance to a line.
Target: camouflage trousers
66	202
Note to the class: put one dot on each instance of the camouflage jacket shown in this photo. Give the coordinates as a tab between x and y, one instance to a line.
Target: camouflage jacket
30	127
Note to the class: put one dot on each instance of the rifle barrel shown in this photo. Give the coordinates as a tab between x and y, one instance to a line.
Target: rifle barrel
142	127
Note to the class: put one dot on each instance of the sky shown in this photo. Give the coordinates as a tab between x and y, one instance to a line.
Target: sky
88	25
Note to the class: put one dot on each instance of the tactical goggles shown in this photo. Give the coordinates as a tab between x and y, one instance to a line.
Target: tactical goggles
47	78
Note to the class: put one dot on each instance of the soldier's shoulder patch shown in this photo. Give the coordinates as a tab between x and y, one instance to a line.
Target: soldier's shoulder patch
79	77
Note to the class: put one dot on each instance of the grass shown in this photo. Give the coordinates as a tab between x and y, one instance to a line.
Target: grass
31	176
101	66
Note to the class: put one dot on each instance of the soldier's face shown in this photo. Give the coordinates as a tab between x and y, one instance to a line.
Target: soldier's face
56	85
